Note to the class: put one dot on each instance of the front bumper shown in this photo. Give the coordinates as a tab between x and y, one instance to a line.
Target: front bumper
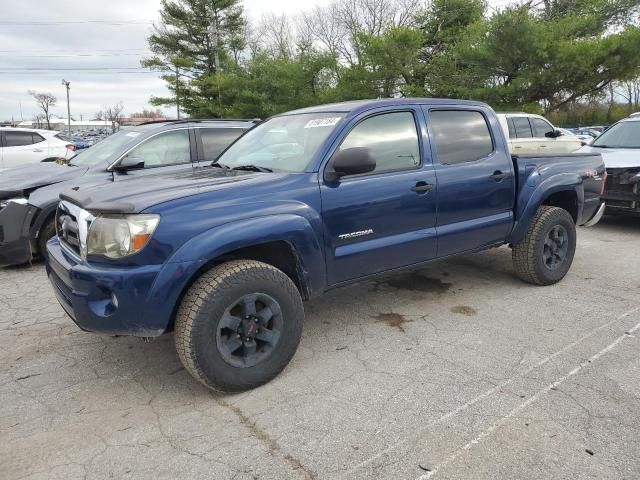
15	241
622	191
122	300
597	216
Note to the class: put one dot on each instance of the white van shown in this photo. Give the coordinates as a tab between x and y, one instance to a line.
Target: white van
19	146
533	134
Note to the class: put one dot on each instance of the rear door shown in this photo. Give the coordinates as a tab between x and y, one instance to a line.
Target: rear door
384	219
476	185
521	137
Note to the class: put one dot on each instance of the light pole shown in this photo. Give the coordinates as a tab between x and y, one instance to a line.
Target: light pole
66	84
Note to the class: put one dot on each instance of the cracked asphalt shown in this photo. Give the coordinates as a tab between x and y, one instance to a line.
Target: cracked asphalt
458	370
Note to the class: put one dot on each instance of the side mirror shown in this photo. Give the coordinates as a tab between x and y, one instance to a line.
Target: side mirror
554	134
129	163
351	161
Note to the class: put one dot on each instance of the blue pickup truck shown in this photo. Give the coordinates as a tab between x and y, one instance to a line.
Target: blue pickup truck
305	202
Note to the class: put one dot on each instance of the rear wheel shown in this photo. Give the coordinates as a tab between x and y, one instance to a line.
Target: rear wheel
47	232
239	325
546	254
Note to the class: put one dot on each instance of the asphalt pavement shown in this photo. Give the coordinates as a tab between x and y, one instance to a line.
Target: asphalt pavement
454	371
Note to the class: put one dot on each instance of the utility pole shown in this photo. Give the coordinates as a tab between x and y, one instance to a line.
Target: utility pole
177	91
215	40
66	84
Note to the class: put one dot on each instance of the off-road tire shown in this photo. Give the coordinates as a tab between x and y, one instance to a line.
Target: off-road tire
47	232
204	304
528	255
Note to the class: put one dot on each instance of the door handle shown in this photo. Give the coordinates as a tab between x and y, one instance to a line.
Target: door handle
497	175
37	150
422	187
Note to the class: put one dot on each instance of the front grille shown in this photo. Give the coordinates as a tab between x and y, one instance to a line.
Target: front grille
72	225
622	189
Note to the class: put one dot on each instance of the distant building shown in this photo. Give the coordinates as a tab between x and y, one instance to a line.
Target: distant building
138	120
76	125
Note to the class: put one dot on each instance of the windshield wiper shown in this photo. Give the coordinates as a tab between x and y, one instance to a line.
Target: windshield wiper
253	168
219	165
599	146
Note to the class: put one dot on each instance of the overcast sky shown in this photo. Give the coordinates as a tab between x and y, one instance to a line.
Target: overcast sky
38	49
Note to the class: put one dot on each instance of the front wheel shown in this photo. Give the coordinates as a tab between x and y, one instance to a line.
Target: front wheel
239	325
47	232
545	255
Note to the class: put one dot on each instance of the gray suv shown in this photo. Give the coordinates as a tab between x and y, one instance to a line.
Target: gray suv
29	194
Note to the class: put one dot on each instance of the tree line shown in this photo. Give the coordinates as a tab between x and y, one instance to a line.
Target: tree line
548	56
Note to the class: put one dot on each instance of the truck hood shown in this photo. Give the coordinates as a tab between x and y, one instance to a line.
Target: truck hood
28	177
137	194
616	157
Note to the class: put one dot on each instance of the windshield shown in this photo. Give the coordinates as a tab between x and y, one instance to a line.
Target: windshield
286	143
105	150
621	135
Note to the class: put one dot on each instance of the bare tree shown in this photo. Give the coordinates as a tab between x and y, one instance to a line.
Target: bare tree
113	113
276	34
44	101
38	120
99	115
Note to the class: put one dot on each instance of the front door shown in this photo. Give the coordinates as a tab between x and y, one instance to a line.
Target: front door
384	219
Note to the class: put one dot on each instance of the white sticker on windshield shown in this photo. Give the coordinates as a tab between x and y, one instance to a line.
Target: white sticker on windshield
322	122
132	134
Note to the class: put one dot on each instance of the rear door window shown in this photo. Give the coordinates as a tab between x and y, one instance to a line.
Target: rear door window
460	136
215	140
522	127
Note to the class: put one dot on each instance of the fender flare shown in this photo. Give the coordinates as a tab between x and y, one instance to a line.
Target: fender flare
296	230
534	193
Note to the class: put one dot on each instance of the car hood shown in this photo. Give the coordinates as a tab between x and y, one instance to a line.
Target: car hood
616	157
137	194
28	177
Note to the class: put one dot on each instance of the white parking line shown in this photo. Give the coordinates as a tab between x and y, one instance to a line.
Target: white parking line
526	403
491	391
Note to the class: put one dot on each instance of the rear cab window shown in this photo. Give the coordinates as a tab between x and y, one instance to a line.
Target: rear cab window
460	136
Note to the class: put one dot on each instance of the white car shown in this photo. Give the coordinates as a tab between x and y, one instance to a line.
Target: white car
584	138
619	146
19	146
533	134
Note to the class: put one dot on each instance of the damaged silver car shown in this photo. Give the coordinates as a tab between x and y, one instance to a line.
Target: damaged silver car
620	149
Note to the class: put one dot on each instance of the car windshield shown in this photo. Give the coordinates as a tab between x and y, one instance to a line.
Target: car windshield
621	135
105	150
287	143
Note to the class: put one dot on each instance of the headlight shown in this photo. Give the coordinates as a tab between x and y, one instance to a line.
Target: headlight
4	203
117	236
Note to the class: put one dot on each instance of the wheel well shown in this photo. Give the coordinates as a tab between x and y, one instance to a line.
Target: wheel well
279	254
567	200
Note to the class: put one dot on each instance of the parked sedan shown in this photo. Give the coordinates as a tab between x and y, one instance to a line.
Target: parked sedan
29	194
19	146
620	149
